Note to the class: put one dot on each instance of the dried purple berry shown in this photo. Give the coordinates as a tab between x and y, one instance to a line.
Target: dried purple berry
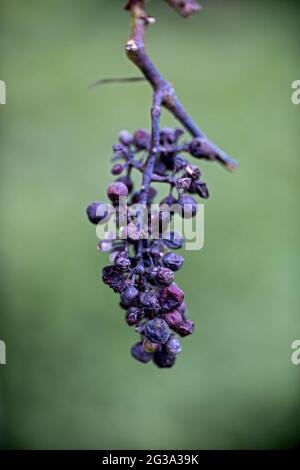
164	359
157	331
122	261
129	296
188	206
116	190
180	163
164	276
149	302
160	167
174	320
202	190
141	139
125	138
113	278
139	353
171	297
173	345
168	201
183	183
174	241
133	315
117	169
97	212
186	328
173	261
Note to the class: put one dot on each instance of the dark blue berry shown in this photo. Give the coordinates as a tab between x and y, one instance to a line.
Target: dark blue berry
125	138
202	190
160	168
113	278
141	139
168	201
97	212
150	302
173	345
122	261
173	240
180	163
139	353
164	359
157	331
133	315
188	206
129	296
198	148
173	261
164	276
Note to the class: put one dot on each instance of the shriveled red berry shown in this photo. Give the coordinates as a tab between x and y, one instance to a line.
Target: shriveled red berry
117	169
171	297
186	328
174	319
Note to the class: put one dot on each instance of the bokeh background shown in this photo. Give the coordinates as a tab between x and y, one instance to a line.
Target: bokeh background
69	381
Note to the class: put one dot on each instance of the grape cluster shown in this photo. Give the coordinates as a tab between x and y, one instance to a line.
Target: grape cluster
143	268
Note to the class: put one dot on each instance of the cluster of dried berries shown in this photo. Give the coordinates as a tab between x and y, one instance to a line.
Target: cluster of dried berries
142	269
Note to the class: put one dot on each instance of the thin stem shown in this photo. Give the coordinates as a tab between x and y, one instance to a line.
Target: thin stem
148	170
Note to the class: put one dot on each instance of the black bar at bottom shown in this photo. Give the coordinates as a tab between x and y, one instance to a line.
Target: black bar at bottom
138	458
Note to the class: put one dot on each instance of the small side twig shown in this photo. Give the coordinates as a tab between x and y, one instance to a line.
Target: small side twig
107	81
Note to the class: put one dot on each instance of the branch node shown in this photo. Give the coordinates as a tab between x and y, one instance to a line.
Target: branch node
131	46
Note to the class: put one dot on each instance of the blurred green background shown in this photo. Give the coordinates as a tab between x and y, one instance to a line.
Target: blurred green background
69	381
